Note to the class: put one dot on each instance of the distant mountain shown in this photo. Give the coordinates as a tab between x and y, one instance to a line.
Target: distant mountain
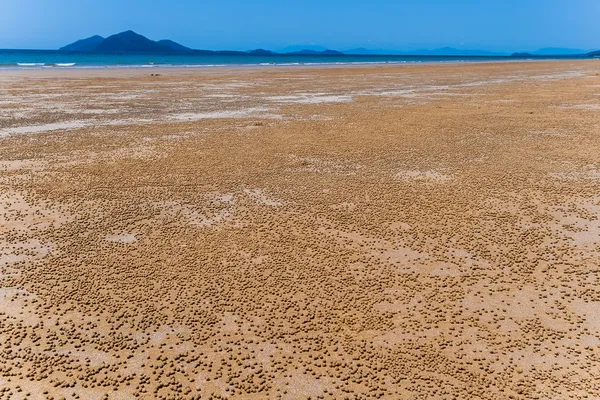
307	52
594	53
301	47
361	51
330	52
88	44
556	51
444	51
129	41
261	52
450	51
521	55
126	42
173	45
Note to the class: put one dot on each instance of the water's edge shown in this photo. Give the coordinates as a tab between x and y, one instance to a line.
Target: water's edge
48	59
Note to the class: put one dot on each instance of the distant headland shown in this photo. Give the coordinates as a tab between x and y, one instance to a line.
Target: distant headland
132	42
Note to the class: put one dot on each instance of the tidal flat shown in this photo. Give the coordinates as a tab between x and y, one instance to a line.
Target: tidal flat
339	232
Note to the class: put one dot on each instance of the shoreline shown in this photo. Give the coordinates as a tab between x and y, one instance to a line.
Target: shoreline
434	60
179	69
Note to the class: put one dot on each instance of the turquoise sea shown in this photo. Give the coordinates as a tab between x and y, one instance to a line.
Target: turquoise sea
42	59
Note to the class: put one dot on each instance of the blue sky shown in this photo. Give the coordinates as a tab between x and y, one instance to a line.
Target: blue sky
499	25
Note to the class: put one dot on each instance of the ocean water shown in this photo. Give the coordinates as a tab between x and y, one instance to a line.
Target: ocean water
42	59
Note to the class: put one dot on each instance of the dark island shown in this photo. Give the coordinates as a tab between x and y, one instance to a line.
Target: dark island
127	41
132	42
84	45
523	54
306	52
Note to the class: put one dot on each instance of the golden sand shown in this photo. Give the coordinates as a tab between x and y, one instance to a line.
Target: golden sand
391	232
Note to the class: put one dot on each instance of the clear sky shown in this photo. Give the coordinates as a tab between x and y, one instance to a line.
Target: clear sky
499	25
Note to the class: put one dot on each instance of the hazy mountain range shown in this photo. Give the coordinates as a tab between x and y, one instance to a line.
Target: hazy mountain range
444	51
131	42
550	51
450	51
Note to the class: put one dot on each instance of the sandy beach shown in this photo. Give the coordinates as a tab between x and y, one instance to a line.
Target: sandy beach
342	232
